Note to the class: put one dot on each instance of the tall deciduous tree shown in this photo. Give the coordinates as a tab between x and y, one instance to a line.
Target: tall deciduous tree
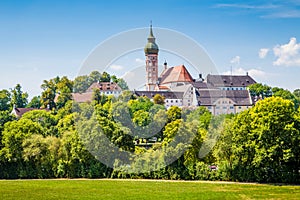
264	143
56	87
35	102
5	98
260	91
18	97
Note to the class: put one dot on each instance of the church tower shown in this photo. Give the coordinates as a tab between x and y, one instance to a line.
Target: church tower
151	53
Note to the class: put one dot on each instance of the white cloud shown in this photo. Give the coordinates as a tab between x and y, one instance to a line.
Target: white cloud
287	54
140	61
256	73
235	60
263	52
116	67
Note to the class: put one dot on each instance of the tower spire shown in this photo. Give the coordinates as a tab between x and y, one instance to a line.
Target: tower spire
151	32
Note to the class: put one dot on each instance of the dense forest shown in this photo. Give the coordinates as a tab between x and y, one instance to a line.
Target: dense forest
135	137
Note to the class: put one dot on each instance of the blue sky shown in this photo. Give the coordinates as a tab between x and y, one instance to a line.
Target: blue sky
42	39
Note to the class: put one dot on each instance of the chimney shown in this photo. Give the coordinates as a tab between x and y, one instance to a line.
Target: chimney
165	65
200	78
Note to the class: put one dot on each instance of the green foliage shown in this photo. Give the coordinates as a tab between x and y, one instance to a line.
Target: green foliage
45	119
5	117
56	87
18	97
122	83
142	103
260	90
261	144
141	118
81	84
99	98
105	77
35	102
14	133
158	99
285	94
297	93
173	113
5	98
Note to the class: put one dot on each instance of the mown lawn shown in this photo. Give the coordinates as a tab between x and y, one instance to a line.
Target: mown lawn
140	189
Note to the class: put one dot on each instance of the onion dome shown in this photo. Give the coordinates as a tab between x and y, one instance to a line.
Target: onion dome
151	47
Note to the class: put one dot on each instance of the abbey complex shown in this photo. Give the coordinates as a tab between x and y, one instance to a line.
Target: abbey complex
220	94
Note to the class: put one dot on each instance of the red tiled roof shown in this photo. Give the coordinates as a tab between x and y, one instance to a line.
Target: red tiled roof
176	74
163	87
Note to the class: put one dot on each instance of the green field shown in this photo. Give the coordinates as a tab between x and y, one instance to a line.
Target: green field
140	189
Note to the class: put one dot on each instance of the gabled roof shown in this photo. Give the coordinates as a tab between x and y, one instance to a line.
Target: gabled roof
175	74
21	111
104	86
239	97
229	80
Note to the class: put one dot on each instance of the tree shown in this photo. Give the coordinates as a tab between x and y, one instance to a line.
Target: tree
158	99
285	94
94	76
105	77
5	117
81	84
35	102
264	143
141	118
18	97
49	93
173	113
122	83
45	119
14	133
297	93
259	90
5	98
39	154
56	89
142	103
126	95
98	97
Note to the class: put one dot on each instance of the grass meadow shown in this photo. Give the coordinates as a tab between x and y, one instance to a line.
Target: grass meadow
141	189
